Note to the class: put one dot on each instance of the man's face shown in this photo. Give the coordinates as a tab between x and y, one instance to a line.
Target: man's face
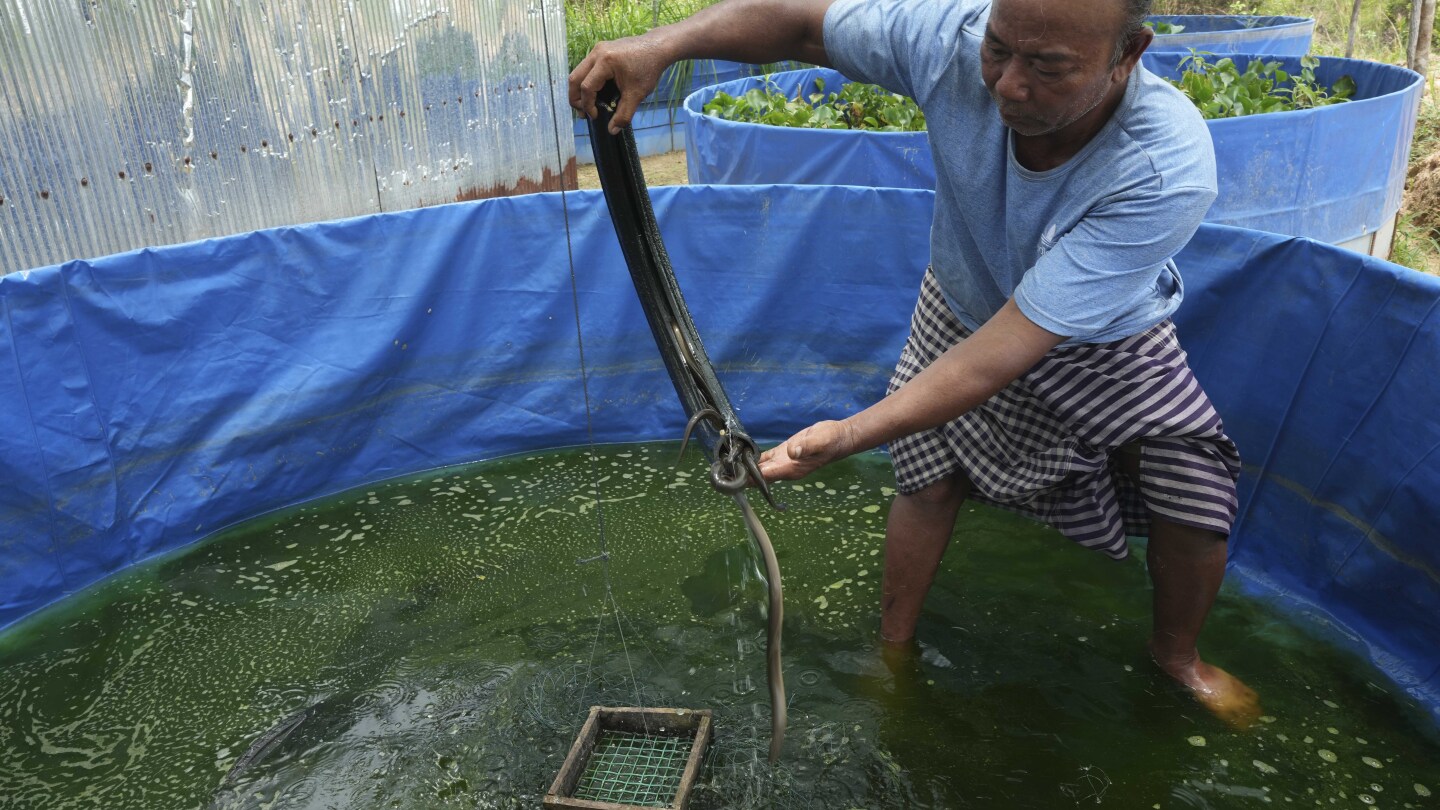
1047	62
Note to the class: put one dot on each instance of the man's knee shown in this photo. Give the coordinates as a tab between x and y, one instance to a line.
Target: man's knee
947	493
1186	539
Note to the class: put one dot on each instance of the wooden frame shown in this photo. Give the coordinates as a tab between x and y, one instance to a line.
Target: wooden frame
695	723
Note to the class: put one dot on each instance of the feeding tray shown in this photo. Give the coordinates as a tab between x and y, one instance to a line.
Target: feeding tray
633	758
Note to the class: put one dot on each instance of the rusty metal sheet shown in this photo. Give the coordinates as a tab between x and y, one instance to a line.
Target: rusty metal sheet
131	124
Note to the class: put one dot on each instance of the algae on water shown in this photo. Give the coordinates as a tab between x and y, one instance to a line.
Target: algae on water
433	643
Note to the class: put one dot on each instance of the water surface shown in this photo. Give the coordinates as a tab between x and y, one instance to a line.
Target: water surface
435	642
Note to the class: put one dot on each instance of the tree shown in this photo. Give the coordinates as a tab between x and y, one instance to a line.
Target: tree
1354	29
1422	27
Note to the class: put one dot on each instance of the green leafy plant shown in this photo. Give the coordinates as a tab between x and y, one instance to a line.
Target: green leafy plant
855	106
1164	27
590	21
1220	90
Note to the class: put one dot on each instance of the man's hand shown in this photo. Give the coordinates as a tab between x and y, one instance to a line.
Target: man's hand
635	63
755	31
808	451
966	375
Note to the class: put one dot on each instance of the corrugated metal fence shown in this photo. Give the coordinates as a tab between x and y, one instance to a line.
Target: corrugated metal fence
146	122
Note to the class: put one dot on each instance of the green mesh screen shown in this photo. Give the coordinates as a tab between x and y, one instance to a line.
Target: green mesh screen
634	768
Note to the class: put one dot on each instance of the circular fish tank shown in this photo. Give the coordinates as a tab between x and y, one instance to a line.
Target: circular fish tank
1334	173
342	514
1234	33
739	153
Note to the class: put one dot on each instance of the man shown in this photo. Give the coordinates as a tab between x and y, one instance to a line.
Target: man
1042	373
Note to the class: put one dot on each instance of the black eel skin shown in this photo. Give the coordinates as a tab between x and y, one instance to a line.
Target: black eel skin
733	454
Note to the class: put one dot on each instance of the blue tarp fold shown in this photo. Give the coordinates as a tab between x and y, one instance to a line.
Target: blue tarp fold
157	396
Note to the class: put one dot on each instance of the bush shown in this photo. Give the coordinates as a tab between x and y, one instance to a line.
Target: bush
1220	90
856	106
1164	27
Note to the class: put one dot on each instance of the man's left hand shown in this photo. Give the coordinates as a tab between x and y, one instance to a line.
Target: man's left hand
808	451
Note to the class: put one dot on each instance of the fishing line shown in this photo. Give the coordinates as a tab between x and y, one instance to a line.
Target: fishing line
604	556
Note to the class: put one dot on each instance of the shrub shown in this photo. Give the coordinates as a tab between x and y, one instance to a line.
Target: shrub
1220	90
1164	27
855	106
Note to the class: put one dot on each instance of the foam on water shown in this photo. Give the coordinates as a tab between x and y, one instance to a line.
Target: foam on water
444	645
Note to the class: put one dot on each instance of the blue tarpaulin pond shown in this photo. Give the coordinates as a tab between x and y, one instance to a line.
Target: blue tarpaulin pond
1235	33
1334	173
160	395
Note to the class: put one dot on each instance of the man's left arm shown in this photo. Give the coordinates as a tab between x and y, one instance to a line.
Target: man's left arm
1105	265
967	374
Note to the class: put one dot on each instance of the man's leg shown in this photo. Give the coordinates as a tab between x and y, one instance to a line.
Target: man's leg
916	536
1187	565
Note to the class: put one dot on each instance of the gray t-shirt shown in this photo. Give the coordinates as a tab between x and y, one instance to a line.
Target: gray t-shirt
1086	248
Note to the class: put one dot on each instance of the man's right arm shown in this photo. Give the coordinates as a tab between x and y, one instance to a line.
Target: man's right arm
756	31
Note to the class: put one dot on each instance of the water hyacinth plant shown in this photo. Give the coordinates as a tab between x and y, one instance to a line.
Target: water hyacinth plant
855	106
1164	27
1220	90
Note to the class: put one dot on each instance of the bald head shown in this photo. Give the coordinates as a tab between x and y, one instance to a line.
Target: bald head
1126	18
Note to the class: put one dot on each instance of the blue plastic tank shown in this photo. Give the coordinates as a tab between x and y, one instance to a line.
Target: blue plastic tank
1231	33
160	395
1335	173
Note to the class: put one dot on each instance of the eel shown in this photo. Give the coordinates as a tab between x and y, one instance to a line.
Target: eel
266	743
733	467
773	673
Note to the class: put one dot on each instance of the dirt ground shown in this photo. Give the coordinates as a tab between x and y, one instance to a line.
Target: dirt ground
1418	238
1423	198
660	170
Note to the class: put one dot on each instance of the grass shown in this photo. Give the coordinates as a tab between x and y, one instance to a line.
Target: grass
1415	246
590	21
1427	131
1381	36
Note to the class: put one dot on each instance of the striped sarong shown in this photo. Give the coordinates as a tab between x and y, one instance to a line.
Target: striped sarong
1046	446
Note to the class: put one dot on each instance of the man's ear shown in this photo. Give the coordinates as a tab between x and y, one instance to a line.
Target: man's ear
1136	46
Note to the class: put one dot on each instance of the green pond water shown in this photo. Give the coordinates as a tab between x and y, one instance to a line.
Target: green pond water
433	643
